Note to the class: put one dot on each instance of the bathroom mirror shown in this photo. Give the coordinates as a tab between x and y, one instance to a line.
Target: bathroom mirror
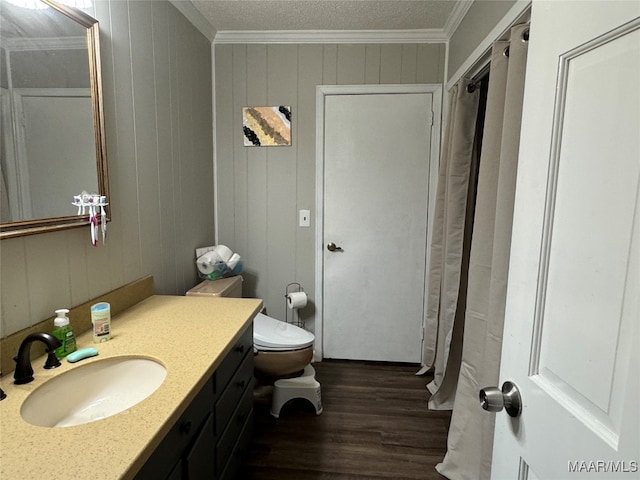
52	138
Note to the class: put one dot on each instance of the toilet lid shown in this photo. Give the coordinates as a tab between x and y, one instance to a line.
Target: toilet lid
275	334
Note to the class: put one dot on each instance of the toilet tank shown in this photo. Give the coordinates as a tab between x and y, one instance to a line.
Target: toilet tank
223	287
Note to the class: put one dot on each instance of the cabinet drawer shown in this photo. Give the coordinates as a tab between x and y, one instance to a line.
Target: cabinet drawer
236	463
233	359
228	440
168	453
199	461
228	401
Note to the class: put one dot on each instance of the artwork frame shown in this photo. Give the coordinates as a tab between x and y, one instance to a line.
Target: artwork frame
266	126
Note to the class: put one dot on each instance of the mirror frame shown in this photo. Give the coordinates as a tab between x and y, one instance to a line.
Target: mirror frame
43	225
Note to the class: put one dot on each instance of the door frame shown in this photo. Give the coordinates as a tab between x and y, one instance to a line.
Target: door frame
18	174
434	160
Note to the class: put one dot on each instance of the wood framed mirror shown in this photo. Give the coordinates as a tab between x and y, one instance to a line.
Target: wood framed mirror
52	136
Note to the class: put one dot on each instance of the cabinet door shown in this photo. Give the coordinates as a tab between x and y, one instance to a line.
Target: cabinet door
176	473
228	441
200	459
236	465
162	463
228	401
234	358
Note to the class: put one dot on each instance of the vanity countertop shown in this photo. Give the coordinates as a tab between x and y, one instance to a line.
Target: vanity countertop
190	336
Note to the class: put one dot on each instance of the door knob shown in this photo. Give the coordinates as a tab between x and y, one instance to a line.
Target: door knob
494	400
332	247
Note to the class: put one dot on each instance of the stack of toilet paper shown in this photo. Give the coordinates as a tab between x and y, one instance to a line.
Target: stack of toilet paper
218	262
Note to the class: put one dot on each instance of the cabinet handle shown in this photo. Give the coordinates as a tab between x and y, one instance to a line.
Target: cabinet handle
240	419
241	384
240	349
186	427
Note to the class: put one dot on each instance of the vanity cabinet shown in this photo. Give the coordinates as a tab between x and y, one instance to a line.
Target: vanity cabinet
210	438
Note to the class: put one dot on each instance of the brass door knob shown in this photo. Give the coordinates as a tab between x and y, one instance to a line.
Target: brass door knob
332	247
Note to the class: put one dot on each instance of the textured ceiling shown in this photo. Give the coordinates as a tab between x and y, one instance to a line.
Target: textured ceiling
243	15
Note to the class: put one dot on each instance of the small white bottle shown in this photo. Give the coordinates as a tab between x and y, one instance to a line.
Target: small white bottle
101	320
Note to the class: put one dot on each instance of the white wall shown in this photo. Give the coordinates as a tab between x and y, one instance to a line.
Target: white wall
157	86
261	189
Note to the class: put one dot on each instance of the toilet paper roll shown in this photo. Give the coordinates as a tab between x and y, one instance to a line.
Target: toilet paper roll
208	262
224	252
296	300
233	261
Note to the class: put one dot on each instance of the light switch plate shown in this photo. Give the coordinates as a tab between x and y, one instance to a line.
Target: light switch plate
305	218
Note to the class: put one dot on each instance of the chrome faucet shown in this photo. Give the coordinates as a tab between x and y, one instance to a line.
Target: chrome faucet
24	373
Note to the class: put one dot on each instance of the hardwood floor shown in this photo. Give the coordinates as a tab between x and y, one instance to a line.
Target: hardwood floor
375	425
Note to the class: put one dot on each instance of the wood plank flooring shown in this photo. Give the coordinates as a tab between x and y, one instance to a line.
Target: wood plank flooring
375	425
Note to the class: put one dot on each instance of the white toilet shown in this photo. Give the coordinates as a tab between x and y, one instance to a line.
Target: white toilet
282	351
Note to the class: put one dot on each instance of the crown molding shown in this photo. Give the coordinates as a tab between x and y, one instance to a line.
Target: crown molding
429	35
426	35
454	20
520	12
192	14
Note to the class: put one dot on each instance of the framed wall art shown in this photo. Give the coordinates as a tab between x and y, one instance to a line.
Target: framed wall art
266	126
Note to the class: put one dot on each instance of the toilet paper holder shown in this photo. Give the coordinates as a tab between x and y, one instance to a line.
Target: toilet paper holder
293	287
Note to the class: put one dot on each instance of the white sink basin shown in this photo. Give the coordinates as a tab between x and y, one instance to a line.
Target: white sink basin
93	391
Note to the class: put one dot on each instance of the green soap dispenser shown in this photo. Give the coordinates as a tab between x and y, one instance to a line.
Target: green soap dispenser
64	333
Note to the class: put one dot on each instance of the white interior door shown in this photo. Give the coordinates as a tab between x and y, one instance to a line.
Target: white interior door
571	328
376	189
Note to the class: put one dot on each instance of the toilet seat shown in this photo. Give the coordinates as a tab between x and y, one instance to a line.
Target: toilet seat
270	334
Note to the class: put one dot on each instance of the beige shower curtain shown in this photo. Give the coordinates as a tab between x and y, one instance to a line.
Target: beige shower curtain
470	440
447	242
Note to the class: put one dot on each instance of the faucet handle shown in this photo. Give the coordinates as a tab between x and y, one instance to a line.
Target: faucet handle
24	371
52	360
